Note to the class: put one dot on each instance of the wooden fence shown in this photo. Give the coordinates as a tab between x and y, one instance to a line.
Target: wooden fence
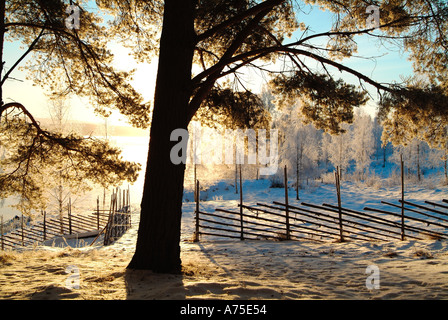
113	222
326	222
119	216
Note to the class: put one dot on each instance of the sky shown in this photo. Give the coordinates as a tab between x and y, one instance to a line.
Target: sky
387	68
37	103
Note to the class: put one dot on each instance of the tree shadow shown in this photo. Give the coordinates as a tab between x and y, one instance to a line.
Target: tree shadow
209	256
147	285
54	292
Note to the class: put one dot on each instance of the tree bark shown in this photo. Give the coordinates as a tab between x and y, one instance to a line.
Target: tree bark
157	247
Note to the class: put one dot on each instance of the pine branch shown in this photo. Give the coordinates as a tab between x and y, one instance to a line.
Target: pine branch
266	5
30	48
216	70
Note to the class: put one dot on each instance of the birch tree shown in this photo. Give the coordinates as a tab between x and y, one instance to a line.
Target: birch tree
363	143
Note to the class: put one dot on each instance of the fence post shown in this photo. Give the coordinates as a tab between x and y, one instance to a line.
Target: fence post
118	207
1	233
109	234
98	212
69	216
297	173
114	211
123	204
402	198
196	193
61	224
338	190
45	224
129	207
288	235
21	224
104	200
241	206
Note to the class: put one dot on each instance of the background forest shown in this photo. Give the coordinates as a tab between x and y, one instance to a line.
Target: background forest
311	155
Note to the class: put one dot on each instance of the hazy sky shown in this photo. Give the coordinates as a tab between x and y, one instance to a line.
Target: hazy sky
34	99
387	68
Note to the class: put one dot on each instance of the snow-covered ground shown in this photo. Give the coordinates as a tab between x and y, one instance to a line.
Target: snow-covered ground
231	269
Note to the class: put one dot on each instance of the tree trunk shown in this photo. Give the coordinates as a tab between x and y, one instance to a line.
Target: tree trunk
157	247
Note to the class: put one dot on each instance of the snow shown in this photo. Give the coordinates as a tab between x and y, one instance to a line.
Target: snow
218	268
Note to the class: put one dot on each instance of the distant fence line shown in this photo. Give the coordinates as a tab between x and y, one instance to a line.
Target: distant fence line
112	222
283	221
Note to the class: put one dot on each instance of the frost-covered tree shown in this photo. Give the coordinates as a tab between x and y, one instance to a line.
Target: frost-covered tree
434	158
380	147
414	156
340	149
325	147
59	113
299	149
363	142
